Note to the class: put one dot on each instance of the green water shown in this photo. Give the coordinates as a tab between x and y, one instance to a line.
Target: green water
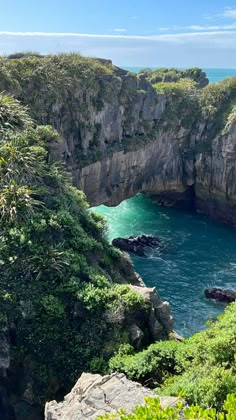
198	253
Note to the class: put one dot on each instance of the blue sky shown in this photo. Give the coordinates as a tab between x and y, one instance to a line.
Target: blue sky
131	32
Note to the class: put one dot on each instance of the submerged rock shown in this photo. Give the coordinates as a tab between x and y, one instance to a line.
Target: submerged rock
138	244
96	395
221	295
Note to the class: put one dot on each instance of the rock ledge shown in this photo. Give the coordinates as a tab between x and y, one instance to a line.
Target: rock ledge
96	395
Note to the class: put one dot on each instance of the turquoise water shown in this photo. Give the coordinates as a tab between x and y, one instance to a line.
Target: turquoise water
198	253
214	75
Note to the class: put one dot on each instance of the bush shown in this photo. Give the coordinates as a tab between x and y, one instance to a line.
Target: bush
201	368
152	410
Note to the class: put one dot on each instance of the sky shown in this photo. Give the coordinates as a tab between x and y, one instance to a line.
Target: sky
144	33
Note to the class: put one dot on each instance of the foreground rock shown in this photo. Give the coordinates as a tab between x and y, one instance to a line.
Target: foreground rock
138	244
221	295
96	395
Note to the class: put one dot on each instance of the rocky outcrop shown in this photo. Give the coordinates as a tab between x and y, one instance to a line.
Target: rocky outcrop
220	295
96	395
137	245
160	320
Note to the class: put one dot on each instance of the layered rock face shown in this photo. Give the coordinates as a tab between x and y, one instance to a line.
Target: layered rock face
94	396
215	184
156	168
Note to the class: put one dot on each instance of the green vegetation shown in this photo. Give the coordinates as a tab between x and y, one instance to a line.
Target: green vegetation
217	102
60	90
59	297
173	75
182	103
152	410
201	368
57	271
214	105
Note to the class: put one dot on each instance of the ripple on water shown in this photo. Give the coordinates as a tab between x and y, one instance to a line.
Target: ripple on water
197	253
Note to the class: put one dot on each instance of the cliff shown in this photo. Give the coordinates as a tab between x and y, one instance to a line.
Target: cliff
68	300
123	135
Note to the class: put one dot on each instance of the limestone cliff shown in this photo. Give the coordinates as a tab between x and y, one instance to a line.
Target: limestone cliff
122	135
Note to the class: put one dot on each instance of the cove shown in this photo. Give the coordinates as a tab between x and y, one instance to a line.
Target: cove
198	253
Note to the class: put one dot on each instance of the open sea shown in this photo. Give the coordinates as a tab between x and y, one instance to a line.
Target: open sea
198	252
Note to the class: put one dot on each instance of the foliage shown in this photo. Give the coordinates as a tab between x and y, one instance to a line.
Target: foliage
150	366
201	368
172	75
182	102
59	90
57	271
217	102
13	116
152	410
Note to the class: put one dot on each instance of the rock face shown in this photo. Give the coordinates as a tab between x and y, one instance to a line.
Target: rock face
221	295
121	136
137	245
94	395
160	320
179	168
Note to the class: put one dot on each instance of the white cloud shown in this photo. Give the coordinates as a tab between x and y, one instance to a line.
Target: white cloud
198	48
162	37
200	28
120	30
229	12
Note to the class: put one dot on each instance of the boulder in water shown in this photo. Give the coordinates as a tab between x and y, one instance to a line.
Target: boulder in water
137	244
221	295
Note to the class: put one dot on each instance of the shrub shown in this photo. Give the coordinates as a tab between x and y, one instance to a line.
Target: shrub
152	410
57	273
201	368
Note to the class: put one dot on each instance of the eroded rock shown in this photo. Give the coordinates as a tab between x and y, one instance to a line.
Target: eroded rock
220	295
96	395
160	319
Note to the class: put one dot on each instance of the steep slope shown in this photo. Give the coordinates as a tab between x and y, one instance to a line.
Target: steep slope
66	299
